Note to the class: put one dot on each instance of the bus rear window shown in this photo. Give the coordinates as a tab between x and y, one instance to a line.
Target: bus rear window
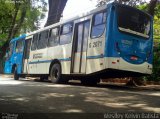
133	21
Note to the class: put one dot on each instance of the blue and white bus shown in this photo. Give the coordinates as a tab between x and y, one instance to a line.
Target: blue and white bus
111	41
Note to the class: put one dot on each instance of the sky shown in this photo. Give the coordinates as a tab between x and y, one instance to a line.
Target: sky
76	7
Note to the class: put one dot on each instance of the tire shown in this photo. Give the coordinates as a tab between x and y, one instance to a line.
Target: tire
56	74
43	78
16	75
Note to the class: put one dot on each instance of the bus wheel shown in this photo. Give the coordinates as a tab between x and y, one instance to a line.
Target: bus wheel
55	74
16	76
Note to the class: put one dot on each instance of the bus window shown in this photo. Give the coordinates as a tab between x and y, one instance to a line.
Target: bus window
66	33
11	47
86	33
133	22
43	38
98	25
27	48
34	42
19	46
53	37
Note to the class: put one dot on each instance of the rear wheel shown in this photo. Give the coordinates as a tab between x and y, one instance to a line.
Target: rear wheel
56	74
16	75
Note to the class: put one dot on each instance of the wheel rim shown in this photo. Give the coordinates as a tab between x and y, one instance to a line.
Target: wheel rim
55	74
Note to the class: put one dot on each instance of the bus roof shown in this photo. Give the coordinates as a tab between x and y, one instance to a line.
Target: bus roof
84	15
75	18
70	19
18	38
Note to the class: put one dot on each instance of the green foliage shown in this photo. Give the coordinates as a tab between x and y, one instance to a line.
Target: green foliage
5	20
155	76
30	12
157	24
34	15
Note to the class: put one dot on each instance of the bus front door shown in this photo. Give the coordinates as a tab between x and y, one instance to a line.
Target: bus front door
80	44
26	55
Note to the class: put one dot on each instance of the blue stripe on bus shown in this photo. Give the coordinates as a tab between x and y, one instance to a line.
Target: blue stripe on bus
95	57
66	59
45	61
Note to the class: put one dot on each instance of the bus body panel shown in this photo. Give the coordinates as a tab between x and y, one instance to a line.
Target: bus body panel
113	50
96	46
16	58
128	52
9	61
61	53
37	62
95	54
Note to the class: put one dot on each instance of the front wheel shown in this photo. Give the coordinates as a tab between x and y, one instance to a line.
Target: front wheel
16	75
56	74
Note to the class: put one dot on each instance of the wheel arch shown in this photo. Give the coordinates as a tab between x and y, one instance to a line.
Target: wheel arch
54	62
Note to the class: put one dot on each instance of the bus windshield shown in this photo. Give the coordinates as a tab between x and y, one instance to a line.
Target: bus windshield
134	22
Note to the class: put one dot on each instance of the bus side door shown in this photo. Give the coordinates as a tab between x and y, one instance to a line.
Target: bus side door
80	47
26	55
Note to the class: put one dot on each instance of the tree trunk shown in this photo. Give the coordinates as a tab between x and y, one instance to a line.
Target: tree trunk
152	6
11	30
18	26
10	34
14	28
56	8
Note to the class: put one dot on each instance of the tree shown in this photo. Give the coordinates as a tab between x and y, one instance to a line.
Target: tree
19	16
156	59
127	2
5	20
56	8
152	6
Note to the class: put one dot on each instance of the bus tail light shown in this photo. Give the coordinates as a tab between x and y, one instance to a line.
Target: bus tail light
113	62
134	58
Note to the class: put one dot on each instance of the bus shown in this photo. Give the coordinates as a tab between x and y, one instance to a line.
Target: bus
111	41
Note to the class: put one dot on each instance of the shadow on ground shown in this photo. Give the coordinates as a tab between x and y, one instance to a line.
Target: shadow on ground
33	96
